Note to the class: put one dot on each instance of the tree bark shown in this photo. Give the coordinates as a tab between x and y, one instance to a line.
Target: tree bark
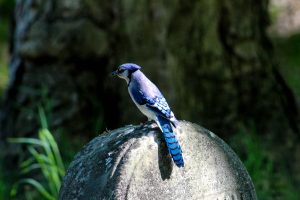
228	72
212	60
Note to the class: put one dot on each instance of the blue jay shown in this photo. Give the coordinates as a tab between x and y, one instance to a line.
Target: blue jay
151	103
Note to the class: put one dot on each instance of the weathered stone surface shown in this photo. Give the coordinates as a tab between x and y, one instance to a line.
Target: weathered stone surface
132	163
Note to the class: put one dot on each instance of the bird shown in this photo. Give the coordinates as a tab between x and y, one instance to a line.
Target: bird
150	101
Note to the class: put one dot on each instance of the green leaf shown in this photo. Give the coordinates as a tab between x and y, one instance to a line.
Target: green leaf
27	162
39	187
45	156
29	141
30	168
43	118
55	149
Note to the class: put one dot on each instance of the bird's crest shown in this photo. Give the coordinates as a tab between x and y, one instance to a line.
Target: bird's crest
129	66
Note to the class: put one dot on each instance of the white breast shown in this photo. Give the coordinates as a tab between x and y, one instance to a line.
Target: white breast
143	108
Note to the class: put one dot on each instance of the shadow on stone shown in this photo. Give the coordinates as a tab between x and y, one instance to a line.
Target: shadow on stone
165	161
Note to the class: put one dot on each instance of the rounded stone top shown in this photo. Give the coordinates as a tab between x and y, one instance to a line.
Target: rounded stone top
133	163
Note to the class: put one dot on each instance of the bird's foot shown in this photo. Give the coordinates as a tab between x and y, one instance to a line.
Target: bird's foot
151	124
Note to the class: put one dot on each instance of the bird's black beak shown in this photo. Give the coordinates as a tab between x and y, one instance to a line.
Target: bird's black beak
114	73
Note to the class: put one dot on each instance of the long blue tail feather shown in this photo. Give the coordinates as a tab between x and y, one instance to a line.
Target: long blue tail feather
171	141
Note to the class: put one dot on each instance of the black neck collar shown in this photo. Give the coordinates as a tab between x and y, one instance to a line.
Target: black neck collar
130	76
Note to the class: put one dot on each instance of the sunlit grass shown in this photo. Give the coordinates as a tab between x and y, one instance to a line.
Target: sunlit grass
44	157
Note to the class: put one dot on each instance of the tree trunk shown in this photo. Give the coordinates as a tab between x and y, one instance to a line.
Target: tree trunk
60	58
211	59
228	74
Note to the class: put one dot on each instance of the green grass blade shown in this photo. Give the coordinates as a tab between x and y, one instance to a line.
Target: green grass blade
27	162
43	118
30	168
39	187
29	141
53	180
45	164
46	146
45	155
55	150
40	158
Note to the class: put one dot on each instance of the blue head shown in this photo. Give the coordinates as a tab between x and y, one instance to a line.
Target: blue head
125	70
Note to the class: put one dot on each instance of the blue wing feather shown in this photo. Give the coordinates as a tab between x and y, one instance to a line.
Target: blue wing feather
157	104
139	96
160	106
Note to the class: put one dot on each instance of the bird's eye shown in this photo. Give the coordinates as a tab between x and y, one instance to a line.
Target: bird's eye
121	70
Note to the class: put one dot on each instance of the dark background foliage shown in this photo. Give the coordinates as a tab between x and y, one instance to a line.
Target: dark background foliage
229	66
